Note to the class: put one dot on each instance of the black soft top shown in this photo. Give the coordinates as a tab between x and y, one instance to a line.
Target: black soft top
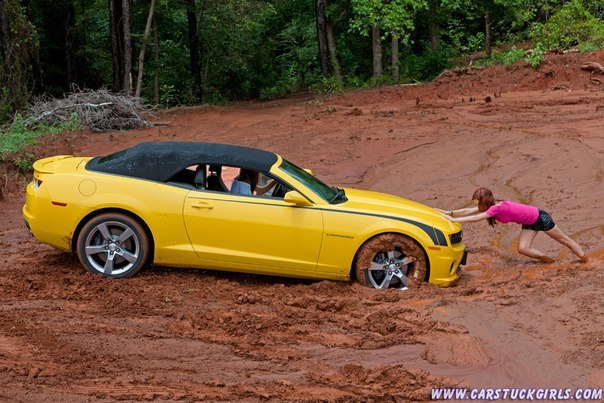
160	161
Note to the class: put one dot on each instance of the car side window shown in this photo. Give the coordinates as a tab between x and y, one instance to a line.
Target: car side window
215	179
244	182
192	177
230	180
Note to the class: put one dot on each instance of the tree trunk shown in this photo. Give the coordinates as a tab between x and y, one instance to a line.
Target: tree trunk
322	37
6	60
127	48
201	50
18	55
333	54
70	62
5	41
395	67
433	27
487	36
377	51
155	62
141	56
4	37
116	49
194	49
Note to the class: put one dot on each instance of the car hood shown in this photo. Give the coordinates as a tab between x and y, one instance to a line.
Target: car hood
389	205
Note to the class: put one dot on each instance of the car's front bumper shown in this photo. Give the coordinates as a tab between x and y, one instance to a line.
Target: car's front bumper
445	263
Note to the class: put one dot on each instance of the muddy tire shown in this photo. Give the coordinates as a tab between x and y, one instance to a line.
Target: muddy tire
114	245
391	261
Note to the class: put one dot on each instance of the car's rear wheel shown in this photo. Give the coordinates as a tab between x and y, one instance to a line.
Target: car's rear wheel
391	261
114	245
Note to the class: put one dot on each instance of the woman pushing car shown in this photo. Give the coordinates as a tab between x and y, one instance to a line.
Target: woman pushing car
532	219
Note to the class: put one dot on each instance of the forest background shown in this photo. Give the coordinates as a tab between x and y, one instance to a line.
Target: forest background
187	52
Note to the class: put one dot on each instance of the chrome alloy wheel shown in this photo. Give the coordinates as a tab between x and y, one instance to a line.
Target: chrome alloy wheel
387	267
112	248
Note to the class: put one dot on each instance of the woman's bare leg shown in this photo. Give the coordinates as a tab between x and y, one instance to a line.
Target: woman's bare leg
525	240
557	234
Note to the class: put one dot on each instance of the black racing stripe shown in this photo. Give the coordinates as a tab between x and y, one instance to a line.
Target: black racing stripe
436	235
442	240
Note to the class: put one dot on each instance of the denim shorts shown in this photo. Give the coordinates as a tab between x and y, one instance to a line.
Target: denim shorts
545	222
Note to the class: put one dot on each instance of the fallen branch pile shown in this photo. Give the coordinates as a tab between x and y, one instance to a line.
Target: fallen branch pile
96	110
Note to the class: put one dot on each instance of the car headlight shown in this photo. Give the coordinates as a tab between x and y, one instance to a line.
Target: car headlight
456	237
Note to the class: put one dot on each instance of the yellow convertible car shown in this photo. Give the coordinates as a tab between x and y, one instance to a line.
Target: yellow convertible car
233	208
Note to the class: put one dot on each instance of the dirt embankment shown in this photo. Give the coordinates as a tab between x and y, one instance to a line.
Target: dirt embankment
167	334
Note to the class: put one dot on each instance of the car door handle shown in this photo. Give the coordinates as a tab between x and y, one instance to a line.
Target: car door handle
203	205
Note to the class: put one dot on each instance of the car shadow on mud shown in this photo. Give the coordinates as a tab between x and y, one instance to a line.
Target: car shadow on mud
241	278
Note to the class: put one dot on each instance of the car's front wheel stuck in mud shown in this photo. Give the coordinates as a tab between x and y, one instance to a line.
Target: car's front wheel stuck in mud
391	261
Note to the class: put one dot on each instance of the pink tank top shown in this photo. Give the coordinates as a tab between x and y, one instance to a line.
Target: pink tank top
508	211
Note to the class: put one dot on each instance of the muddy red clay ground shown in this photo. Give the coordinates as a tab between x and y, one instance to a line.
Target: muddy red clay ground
170	334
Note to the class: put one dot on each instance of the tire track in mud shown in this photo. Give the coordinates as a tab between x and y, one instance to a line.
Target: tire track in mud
254	337
525	338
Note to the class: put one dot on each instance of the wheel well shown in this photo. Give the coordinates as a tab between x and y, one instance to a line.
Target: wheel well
90	216
354	261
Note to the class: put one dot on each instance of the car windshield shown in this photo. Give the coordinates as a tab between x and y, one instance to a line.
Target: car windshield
329	194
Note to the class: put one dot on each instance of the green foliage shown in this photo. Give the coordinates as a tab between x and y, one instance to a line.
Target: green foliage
512	56
587	47
24	163
239	41
16	137
267	49
595	7
327	86
5	107
508	57
535	56
427	65
378	81
167	95
95	49
18	55
571	25
298	58
395	16
463	22
272	92
23	133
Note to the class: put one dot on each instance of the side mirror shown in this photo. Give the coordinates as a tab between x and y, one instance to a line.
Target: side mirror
296	198
309	171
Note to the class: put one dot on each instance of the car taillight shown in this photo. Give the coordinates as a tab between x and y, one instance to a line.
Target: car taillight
37	183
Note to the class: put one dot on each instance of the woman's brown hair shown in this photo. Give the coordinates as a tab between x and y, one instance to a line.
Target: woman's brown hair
485	200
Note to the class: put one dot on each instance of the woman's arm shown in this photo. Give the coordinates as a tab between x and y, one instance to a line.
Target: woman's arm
462	212
472	218
260	190
465	212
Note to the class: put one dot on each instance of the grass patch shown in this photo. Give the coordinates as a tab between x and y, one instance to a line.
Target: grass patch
22	133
